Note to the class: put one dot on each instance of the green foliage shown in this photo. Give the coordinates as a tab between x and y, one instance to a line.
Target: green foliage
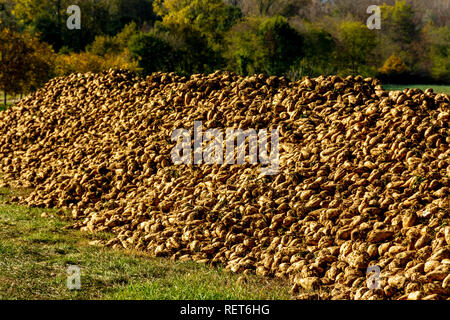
82	62
319	53
248	37
263	45
194	30
25	63
356	44
48	18
398	22
394	65
194	54
394	69
244	54
77	62
13	53
209	18
39	63
106	44
40	250
439	53
282	44
400	34
7	19
153	53
124	12
186	53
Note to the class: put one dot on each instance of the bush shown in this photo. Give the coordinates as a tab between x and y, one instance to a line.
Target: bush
393	66
25	63
152	53
319	53
83	62
66	64
263	45
209	18
105	44
439	53
356	44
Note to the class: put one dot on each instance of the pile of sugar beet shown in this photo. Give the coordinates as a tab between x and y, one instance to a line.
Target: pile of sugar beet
363	178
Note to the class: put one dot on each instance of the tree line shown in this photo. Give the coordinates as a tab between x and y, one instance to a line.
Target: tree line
292	38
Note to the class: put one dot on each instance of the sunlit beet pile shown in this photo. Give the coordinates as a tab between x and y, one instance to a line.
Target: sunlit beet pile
363	176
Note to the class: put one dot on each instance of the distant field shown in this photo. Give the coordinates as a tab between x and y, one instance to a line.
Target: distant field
9	101
436	88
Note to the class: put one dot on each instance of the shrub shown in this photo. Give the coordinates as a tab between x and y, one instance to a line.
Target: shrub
356	44
439	53
263	45
152	53
82	62
393	66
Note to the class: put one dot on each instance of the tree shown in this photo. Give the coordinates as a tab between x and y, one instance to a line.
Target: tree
210	18
432	11
105	44
269	8
82	62
11	62
394	65
319	52
48	18
152	53
44	17
264	6
244	54
40	63
439	52
124	12
282	44
25	63
398	23
356	44
263	45
7	19
195	30
393	69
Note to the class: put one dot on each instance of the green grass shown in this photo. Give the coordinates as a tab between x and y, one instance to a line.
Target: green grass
5	106
436	88
35	252
9	101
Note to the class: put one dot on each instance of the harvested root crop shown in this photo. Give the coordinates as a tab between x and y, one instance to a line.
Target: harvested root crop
363	176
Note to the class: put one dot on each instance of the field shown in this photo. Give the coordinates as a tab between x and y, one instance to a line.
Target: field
35	252
436	88
9	100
